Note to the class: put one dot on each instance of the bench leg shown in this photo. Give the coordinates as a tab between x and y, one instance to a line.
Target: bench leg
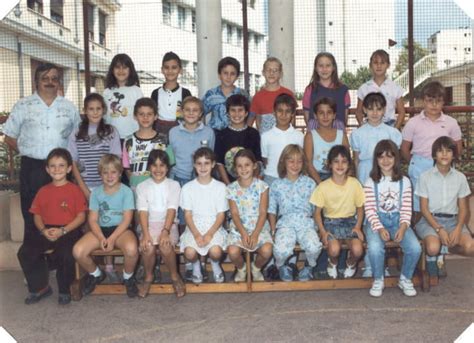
249	271
76	287
425	277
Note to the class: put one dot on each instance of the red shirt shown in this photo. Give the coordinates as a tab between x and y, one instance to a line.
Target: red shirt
59	205
262	102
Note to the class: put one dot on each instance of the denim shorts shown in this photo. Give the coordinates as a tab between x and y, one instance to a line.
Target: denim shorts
341	228
424	229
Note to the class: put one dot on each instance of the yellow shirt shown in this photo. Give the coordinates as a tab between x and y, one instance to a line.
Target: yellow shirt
338	201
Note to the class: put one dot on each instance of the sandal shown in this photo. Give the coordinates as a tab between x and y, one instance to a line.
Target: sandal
179	287
144	289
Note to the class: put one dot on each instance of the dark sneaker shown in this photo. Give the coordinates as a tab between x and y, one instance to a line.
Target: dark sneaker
272	273
92	281
64	299
131	286
33	298
188	275
205	273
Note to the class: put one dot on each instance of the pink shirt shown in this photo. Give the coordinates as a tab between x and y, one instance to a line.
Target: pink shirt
422	132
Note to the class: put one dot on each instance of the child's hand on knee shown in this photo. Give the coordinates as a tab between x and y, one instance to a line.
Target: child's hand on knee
399	234
443	236
145	242
384	235
454	238
165	238
359	233
103	243
324	238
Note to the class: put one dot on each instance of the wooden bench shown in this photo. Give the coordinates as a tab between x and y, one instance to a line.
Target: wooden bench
420	278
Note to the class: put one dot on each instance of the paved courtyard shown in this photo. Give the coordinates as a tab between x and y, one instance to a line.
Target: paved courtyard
316	316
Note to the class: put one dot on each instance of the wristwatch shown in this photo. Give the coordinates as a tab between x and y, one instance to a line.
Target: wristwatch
63	230
438	229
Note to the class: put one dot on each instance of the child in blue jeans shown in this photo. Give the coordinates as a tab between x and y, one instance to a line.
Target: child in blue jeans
388	211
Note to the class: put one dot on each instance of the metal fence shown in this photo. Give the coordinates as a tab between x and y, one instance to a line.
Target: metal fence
426	40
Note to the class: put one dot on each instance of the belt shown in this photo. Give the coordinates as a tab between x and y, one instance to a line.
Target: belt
444	215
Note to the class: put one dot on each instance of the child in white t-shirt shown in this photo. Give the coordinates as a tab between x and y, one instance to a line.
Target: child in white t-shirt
283	133
157	203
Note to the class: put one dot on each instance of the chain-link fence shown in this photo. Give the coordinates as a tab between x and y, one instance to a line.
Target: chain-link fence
426	40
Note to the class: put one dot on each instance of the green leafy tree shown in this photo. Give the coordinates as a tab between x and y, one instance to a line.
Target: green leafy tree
419	53
361	76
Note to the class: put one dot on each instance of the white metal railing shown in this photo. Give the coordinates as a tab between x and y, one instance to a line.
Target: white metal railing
422	70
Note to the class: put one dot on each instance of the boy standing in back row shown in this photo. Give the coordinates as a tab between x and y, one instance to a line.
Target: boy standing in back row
170	96
214	99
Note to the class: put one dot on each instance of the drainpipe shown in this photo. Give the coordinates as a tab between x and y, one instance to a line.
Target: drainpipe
20	67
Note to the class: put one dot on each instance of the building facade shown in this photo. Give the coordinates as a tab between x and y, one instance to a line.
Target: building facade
38	31
148	30
451	46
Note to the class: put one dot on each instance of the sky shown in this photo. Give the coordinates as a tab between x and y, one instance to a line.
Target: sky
431	16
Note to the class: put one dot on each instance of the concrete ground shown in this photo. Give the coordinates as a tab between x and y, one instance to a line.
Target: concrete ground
317	316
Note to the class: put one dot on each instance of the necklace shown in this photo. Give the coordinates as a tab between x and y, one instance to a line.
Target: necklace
237	130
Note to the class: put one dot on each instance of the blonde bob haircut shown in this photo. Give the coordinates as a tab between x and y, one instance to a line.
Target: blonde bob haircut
287	153
110	160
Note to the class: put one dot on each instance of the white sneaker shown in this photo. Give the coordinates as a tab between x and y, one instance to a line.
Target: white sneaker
241	274
332	270
350	271
407	287
377	288
257	273
219	278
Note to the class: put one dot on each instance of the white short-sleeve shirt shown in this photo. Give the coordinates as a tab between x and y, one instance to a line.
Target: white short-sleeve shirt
442	191
204	200
390	90
273	142
157	198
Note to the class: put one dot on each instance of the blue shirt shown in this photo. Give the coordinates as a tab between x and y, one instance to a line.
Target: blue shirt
39	128
111	206
365	138
184	143
214	102
290	200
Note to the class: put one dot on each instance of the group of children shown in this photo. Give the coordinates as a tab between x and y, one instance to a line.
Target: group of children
279	186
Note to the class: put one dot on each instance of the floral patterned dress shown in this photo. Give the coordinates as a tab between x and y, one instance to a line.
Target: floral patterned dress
248	204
